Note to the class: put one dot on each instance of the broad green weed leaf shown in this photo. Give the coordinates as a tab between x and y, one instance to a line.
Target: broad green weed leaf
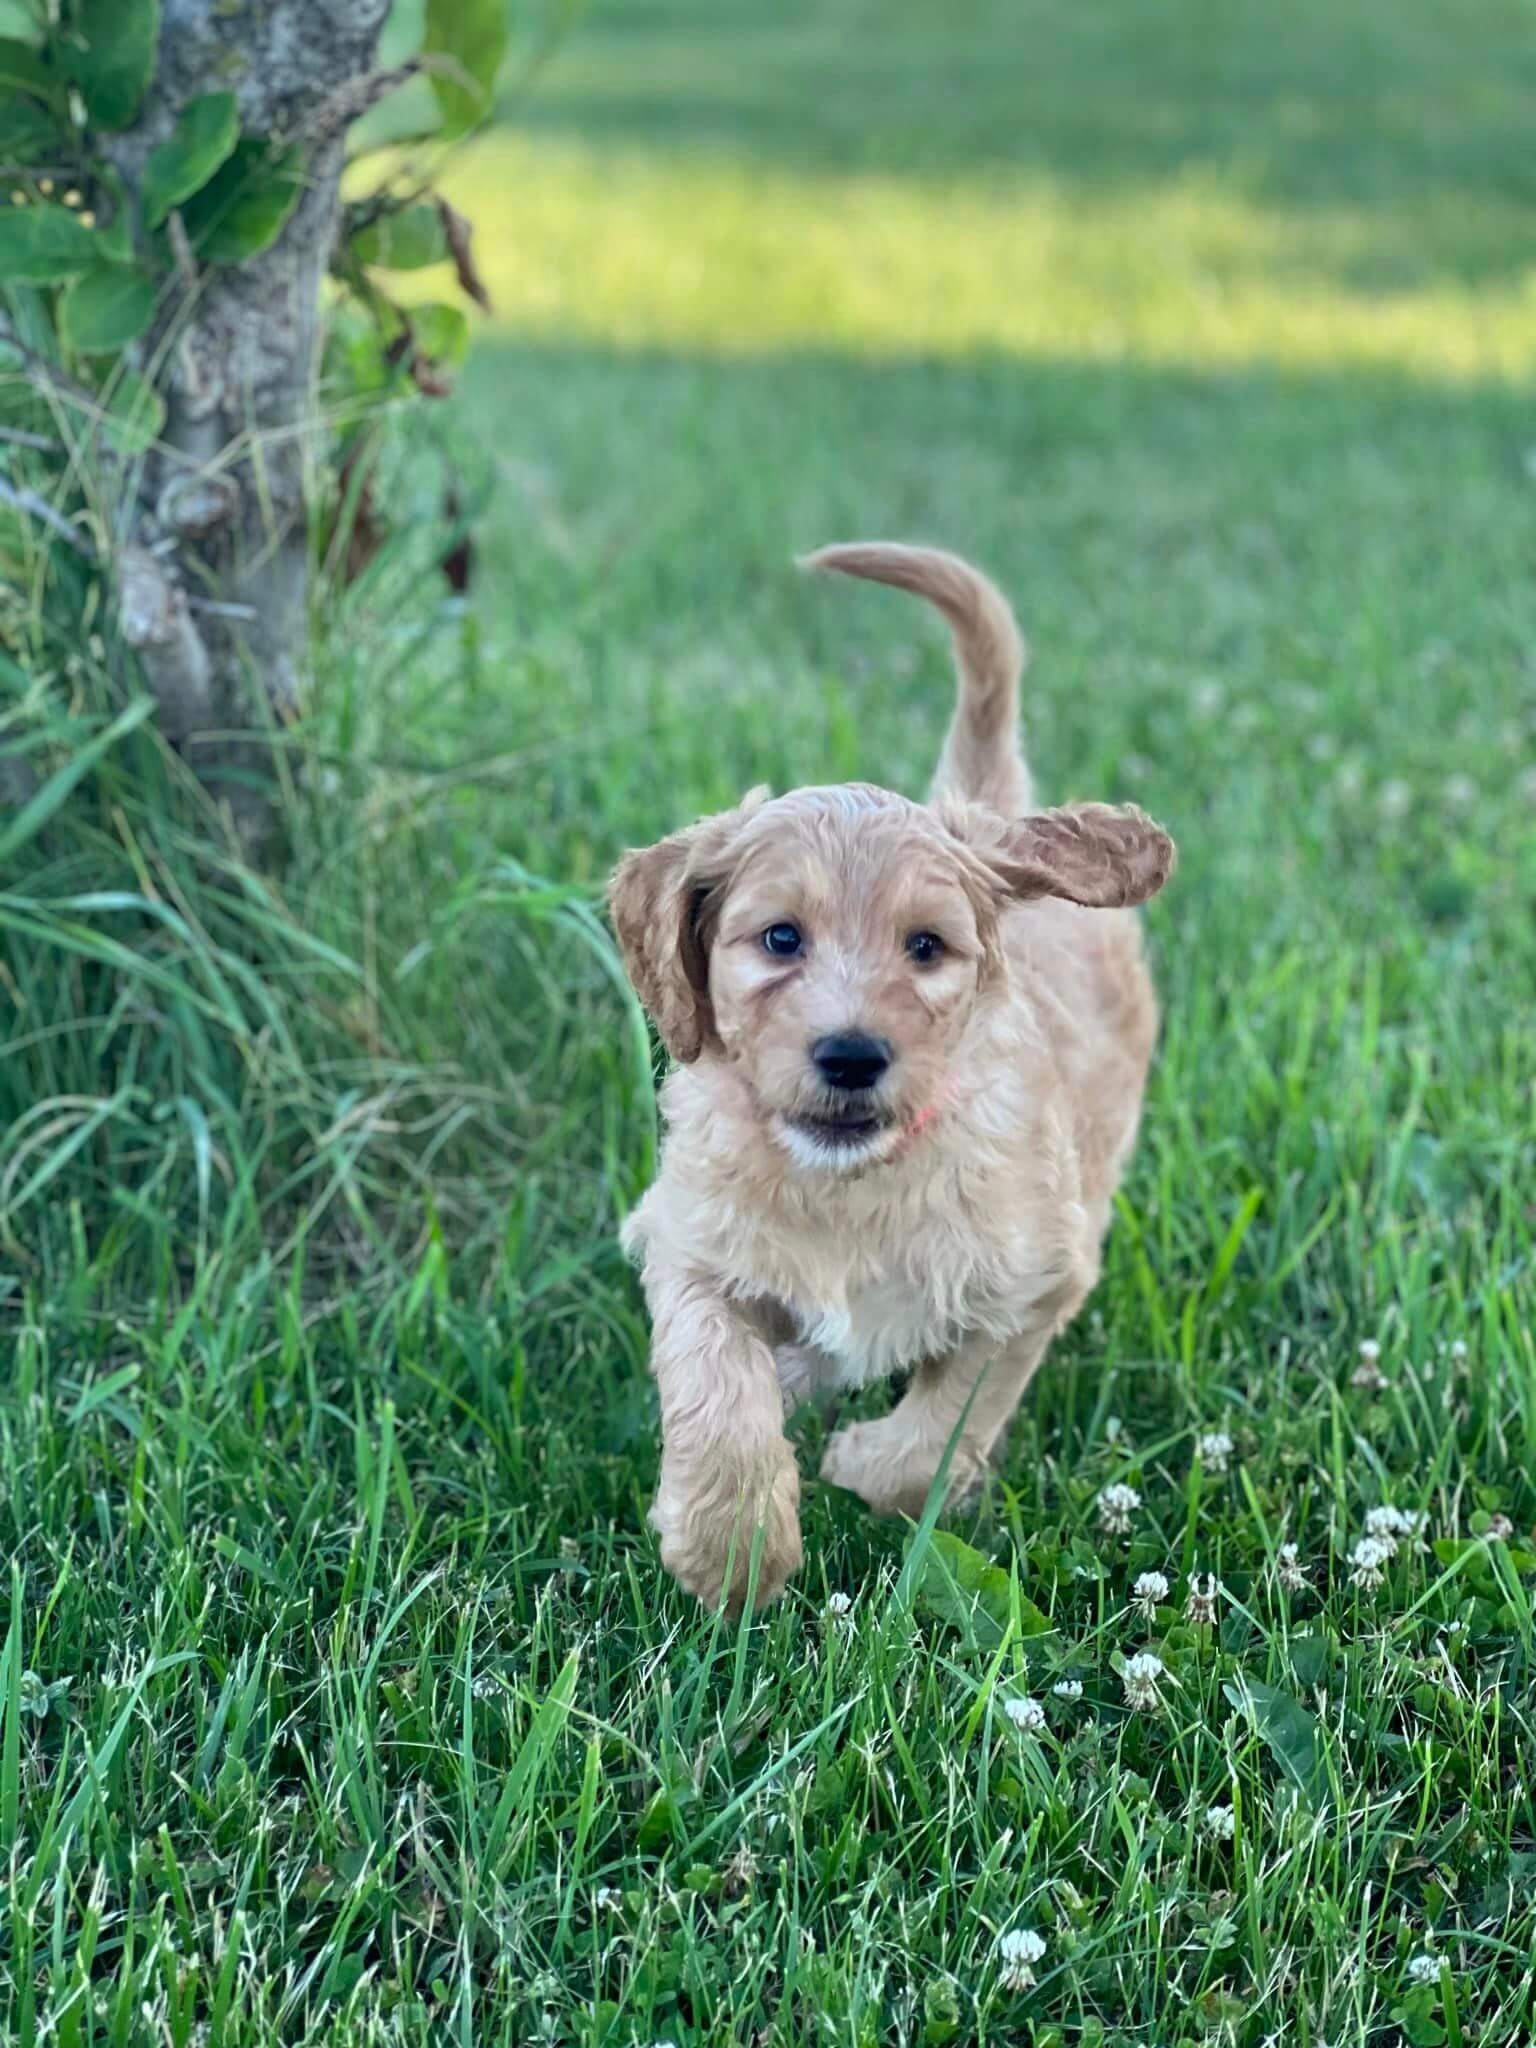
247	202
206	133
43	244
472	35
1288	1730
111	54
106	308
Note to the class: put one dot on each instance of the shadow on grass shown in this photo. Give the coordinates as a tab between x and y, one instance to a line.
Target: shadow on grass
1415	116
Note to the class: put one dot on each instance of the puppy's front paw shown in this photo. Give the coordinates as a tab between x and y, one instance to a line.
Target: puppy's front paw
707	1512
892	1469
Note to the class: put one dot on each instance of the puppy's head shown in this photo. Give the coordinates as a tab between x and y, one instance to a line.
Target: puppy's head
833	944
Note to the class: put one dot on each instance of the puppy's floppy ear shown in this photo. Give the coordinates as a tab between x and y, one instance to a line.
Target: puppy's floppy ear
656	899
1101	855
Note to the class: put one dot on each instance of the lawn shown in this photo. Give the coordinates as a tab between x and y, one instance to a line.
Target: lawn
342	1700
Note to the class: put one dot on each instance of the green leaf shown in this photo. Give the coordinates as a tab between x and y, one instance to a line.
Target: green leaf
28	133
472	35
41	244
133	413
354	353
407	240
207	130
441	332
941	2013
1475	1550
1310	1658
1288	1731
1416	2017
23	69
112	56
661	1820
962	1586
105	309
246	204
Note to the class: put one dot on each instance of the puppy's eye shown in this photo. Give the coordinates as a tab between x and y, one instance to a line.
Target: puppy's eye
924	947
783	941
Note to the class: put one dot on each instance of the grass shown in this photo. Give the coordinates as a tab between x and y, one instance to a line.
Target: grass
341	1699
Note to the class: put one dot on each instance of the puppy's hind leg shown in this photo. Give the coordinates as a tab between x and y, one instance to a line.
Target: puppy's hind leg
893	1462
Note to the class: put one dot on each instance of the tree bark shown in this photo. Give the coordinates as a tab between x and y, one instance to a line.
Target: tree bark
212	545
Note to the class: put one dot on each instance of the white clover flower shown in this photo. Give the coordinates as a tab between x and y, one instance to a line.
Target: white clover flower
839	1610
1288	1571
1368	1372
1424	1969
1117	1504
485	1685
1020	1951
1200	1607
1500	1526
1218	1823
1207	697
1459	791
606	1898
1140	1677
1391	1526
1068	1688
1395	798
1025	1713
1215	1450
1367	1558
1149	1589
1459	1350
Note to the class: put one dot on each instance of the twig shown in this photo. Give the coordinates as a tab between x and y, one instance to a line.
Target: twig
20	438
39	508
181	249
49	372
352	99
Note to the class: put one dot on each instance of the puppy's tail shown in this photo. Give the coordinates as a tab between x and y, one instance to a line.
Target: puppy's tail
983	758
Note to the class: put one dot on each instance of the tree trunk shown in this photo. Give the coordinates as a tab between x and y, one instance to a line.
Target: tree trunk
212	543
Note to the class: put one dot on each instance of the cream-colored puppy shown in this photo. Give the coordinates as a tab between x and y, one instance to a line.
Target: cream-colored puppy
911	1041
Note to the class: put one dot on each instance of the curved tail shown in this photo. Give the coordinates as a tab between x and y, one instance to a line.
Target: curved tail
983	758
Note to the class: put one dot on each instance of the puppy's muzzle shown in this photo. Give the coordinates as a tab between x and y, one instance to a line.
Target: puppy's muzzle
852	1062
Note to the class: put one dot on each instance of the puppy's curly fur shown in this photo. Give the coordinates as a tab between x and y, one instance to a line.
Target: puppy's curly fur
933	1199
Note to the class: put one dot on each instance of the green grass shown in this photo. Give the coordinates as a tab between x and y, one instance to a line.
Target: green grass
341	1698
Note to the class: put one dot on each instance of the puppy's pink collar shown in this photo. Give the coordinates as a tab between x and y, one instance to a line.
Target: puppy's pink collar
927	1116
924	1117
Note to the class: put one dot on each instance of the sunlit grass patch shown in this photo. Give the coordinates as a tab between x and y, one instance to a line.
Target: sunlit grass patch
702	251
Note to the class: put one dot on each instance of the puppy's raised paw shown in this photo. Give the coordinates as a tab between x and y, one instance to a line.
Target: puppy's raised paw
892	1468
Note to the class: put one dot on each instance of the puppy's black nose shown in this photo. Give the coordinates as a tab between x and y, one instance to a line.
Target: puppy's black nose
851	1059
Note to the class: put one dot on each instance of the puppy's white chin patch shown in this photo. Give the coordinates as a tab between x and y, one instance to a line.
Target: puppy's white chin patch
821	1151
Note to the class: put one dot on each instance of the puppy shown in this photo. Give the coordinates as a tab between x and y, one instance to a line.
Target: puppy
911	1041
